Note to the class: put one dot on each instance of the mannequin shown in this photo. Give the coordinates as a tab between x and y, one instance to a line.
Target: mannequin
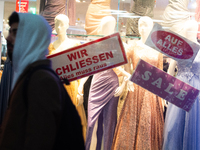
103	98
182	128
49	9
63	43
139	8
140	124
92	20
175	14
95	14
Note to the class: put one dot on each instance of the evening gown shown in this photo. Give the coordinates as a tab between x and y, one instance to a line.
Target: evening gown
140	124
102	106
95	14
182	129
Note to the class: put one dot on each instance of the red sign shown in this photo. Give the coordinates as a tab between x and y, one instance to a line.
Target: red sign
23	5
90	58
164	85
172	45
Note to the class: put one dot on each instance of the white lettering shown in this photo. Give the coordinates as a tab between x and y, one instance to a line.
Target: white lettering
168	38
158	83
179	43
146	75
181	94
174	49
180	52
169	88
160	42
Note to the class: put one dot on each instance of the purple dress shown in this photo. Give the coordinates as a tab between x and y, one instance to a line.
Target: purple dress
102	105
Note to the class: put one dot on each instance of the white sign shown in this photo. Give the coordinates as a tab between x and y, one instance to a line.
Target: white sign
90	58
173	45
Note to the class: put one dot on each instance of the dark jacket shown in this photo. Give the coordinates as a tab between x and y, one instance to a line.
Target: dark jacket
33	123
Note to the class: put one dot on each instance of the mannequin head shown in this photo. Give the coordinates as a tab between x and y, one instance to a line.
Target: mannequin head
61	24
145	26
107	25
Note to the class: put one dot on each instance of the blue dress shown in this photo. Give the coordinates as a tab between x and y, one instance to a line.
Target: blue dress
182	129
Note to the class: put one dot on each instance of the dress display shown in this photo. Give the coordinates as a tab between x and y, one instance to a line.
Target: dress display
140	8
173	18
95	14
182	128
140	124
102	104
51	9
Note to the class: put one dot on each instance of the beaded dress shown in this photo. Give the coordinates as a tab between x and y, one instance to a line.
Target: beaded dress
140	124
182	129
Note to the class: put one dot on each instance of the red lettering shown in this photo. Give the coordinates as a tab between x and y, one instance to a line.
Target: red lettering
58	73
77	66
102	57
89	62
109	55
72	56
84	52
64	69
78	55
82	63
95	58
71	67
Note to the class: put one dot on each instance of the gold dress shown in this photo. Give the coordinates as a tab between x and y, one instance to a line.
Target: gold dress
72	90
140	124
95	14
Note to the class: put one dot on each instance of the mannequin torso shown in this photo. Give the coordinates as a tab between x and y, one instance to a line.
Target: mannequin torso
63	42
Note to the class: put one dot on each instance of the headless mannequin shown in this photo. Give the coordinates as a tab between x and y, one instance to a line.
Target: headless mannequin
145	25
63	42
104	127
188	32
179	128
137	124
107	27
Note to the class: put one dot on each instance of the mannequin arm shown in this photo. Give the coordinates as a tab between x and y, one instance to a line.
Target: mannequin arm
80	88
79	96
122	72
126	80
120	89
171	69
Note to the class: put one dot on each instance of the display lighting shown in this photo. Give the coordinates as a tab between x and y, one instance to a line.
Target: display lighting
32	10
79	1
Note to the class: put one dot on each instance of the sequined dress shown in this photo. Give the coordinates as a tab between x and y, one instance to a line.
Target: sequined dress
182	129
140	124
